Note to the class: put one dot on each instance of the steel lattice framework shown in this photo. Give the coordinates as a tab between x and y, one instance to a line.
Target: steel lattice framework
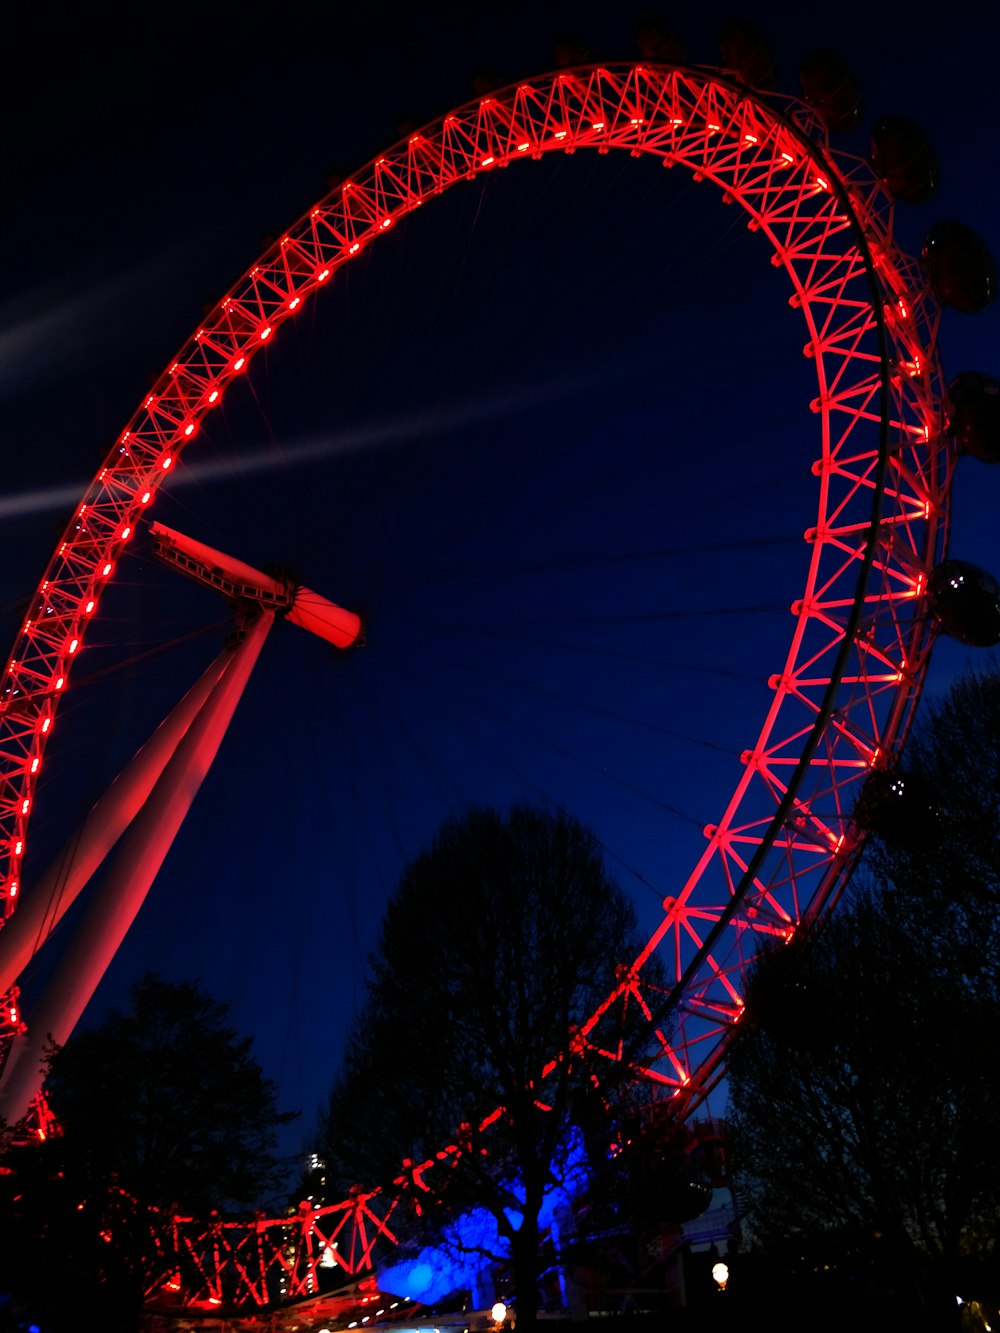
842	701
264	1261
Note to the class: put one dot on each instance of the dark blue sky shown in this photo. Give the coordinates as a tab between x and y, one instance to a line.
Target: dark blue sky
551	437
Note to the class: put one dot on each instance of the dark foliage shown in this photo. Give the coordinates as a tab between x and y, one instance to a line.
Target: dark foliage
955	759
163	1109
171	1102
865	1096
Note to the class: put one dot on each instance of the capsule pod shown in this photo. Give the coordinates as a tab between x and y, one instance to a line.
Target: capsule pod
657	41
899	808
831	88
959	266
746	51
660	1179
568	50
711	1151
974	418
486	81
966	601
904	159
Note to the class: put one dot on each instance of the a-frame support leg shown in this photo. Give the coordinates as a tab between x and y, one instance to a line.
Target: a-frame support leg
117	902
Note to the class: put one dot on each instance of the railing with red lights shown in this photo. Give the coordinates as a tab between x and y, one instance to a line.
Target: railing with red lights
266	1261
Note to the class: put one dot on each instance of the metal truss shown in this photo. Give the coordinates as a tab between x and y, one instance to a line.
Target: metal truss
215	1264
860	634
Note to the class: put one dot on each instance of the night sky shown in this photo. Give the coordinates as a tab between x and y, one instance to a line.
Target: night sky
550	436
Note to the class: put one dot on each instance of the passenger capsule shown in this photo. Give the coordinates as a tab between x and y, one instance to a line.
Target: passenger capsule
486	81
660	1174
898	807
959	266
831	88
904	159
656	41
569	50
966	602
746	51
974	418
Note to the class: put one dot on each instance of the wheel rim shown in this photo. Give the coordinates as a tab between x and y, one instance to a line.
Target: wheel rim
844	697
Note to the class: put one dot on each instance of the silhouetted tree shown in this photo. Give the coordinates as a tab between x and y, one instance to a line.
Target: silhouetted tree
864	1093
162	1109
500	942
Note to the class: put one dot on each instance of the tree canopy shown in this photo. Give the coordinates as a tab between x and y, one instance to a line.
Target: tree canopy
863	1094
500	942
171	1102
162	1108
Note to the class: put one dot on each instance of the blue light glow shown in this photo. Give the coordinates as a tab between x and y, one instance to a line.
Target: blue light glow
472	1242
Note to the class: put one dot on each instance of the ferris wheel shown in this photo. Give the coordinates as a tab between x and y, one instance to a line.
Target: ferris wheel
877	587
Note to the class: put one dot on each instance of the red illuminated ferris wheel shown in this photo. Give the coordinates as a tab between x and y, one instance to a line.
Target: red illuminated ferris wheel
776	856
